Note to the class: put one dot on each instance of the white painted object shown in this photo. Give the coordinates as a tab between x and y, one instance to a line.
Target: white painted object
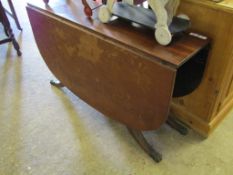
164	11
104	14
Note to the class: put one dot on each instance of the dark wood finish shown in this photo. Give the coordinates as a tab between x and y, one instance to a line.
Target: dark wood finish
56	83
181	50
8	31
140	139
121	84
177	125
125	81
13	14
46	1
119	70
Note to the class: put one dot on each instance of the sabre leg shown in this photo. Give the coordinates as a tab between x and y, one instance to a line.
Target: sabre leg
177	126
56	83
140	139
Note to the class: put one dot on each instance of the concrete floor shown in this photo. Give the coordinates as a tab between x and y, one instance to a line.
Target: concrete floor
46	131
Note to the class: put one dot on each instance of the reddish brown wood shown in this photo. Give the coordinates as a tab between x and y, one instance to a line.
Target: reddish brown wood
117	69
140	40
121	72
115	80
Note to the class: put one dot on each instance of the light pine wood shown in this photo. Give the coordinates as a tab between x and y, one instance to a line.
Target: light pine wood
223	5
208	105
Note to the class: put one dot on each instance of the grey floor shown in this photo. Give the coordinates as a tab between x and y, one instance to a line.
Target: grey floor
47	131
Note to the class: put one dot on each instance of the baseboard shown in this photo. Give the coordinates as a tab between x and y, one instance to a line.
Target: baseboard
191	120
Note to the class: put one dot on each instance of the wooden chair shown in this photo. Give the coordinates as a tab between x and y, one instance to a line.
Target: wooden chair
12	13
8	31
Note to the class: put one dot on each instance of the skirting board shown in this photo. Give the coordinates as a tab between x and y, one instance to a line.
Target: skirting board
198	125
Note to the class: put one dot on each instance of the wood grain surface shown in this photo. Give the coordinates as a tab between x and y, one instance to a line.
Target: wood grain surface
204	109
114	80
138	38
119	70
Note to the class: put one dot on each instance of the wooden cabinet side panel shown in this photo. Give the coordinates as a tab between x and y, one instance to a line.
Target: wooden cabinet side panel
226	89
208	21
230	92
224	5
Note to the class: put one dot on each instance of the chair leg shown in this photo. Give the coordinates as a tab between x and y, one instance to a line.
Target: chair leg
16	46
8	30
14	14
46	1
140	139
11	36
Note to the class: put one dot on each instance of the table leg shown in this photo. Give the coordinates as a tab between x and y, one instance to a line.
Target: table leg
177	126
56	83
138	136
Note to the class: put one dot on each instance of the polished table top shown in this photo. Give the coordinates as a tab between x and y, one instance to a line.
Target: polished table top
116	68
135	38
